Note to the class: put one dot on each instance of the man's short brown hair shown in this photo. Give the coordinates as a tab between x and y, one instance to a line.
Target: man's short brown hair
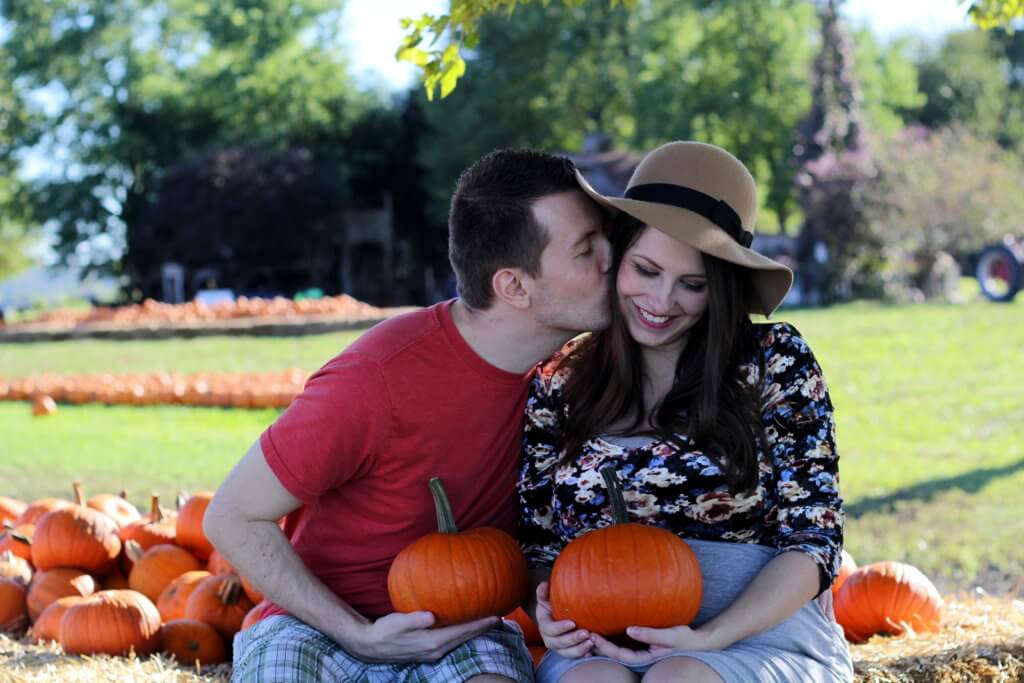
491	224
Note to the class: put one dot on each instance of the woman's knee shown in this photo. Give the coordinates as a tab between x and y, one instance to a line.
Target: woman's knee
681	669
599	672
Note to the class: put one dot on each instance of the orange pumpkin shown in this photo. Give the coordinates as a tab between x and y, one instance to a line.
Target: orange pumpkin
537	653
116	507
46	587
845	569
18	541
219	565
625	575
111	622
116	580
38	508
47	626
253	616
459	576
157	567
530	631
889	598
193	642
43	405
190	525
251	590
173	599
76	536
220	602
12	607
15	568
10	509
154	529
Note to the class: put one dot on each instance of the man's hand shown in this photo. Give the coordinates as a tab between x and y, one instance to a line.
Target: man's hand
401	637
561	637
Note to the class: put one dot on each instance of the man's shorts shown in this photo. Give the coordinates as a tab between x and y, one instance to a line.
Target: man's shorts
282	649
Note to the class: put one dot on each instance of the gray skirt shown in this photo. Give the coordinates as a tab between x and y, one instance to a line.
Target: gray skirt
807	647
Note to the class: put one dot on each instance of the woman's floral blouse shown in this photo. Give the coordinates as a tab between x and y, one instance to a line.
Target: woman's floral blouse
796	504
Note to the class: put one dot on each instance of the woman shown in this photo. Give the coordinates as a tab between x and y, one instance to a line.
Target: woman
719	429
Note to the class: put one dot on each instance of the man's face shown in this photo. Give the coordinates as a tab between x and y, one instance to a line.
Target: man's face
571	292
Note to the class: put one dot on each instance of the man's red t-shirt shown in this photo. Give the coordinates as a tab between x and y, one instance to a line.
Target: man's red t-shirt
407	401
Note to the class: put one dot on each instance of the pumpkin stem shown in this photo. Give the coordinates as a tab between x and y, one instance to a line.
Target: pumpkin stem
20	538
155	513
230	590
79	498
445	518
180	501
611	481
123	495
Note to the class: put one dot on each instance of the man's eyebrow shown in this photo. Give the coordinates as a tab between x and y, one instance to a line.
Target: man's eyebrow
588	236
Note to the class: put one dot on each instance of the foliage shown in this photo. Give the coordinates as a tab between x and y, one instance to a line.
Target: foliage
993	13
947	191
136	86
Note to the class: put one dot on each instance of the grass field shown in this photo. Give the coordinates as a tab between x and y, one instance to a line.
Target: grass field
929	406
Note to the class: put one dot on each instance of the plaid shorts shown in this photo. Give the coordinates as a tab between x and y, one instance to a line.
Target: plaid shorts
282	649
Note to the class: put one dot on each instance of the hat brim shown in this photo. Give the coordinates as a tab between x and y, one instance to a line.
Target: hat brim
772	280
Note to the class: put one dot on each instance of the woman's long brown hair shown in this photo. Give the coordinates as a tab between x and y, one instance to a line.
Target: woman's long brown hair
708	401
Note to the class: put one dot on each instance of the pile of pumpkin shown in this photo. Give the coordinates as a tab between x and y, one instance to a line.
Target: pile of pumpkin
99	578
223	389
152	313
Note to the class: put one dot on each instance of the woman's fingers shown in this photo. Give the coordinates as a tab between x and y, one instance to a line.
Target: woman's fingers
610	649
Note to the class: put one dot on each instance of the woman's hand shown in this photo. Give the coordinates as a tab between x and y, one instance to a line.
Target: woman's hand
561	637
660	641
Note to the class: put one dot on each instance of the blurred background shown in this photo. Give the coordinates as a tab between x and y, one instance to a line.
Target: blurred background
172	168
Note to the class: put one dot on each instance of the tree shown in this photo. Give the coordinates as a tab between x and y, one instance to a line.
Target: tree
140	85
996	13
17	129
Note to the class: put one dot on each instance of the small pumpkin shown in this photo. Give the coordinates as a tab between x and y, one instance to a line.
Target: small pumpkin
156	568
458	576
252	591
189	527
887	598
46	587
153	529
220	602
172	601
625	575
13	618
76	536
15	568
47	626
111	622
846	568
193	642
253	616
43	405
18	540
116	507
38	508
530	631
10	509
219	565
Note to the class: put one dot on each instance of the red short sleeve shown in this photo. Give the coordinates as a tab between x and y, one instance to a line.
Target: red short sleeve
332	431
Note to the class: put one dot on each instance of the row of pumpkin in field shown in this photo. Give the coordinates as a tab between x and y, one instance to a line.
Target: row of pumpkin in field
100	578
152	313
221	389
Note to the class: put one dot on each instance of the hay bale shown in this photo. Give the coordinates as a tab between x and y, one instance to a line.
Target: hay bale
982	640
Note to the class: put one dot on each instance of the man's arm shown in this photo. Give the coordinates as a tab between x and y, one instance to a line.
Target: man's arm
241	522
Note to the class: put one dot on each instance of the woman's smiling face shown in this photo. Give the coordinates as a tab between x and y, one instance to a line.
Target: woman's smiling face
662	289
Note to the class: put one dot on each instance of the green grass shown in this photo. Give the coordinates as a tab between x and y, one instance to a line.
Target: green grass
929	410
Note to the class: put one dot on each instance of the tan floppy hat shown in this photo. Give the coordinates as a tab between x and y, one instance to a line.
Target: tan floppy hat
703	196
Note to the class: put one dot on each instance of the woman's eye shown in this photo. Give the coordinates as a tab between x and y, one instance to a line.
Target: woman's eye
644	272
694	286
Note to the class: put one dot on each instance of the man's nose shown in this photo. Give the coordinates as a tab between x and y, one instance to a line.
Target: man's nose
605	255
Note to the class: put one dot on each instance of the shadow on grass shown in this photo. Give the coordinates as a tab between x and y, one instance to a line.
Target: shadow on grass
968	482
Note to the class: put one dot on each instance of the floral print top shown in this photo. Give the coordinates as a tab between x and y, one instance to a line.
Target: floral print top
673	484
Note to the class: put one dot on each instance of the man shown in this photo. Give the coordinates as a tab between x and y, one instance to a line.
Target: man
437	392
